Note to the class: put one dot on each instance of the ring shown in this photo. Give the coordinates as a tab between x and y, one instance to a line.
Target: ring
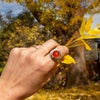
35	47
55	54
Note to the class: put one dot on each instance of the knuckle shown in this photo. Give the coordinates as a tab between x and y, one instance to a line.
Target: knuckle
42	64
53	41
42	70
30	58
64	49
21	53
42	67
14	50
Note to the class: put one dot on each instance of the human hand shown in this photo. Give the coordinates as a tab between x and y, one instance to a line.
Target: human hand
28	69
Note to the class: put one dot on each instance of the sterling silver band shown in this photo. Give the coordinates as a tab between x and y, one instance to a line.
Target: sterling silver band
35	47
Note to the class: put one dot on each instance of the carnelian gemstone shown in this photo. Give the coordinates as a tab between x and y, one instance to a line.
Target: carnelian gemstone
56	54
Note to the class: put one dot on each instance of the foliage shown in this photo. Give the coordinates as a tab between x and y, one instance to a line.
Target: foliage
59	16
19	33
89	92
80	42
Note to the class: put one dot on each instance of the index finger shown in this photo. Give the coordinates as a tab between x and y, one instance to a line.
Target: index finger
47	47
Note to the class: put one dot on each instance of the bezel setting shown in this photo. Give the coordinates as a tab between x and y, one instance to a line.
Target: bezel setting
54	58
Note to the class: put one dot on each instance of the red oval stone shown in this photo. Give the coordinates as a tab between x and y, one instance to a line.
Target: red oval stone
56	54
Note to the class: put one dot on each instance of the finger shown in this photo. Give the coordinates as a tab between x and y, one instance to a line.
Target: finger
47	47
55	69
63	50
36	47
32	49
50	75
45	82
47	78
51	63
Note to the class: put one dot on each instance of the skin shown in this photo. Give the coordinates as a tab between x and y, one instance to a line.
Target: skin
27	70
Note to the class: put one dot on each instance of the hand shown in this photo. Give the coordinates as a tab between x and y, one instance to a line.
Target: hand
28	69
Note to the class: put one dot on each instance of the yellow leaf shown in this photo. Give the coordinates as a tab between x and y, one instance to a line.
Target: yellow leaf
87	37
79	44
88	24
86	45
95	31
73	37
82	29
68	60
58	65
98	25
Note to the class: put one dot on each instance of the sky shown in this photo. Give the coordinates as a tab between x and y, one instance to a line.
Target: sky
96	20
16	8
5	7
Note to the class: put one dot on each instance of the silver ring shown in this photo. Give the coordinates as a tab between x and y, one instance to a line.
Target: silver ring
55	54
35	47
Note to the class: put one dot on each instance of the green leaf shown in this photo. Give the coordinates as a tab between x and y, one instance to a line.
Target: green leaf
88	24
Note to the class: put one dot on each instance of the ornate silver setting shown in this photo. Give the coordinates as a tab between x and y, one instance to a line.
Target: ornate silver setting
52	57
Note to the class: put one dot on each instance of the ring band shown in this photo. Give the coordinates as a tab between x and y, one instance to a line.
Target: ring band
35	47
55	54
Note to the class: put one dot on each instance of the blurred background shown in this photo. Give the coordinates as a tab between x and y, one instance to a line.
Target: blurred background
24	23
